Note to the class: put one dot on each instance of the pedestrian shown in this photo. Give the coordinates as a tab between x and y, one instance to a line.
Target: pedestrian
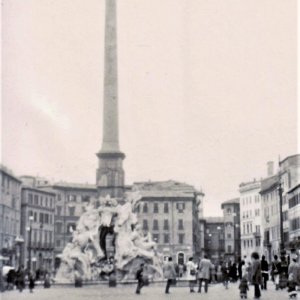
213	274
243	287
225	274
256	274
205	267
140	279
240	264
180	267
31	282
233	272
20	278
265	272
219	272
170	274
275	271
293	273
249	271
47	282
10	279
244	269
283	277
191	274
291	284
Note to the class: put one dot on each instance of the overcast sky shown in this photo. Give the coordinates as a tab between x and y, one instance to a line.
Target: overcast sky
207	89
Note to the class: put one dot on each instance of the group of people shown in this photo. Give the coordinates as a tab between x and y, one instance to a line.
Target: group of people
257	272
21	276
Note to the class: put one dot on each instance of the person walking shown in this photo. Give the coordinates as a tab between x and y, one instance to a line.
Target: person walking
256	274
225	274
293	276
170	274
275	271
240	264
191	274
243	287
140	279
265	272
20	278
233	272
205	267
31	282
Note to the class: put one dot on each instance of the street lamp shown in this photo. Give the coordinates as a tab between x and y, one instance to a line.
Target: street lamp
219	242
29	229
19	241
280	191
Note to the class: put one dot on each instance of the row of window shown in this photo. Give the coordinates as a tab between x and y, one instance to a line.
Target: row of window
44	236
9	225
248	214
39	200
43	218
248	229
248	200
250	243
74	198
144	207
70	211
295	200
166	238
59	228
155	225
295	224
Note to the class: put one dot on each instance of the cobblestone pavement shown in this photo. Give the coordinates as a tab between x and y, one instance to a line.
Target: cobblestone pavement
126	292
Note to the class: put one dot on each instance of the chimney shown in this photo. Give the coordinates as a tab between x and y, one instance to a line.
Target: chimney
270	170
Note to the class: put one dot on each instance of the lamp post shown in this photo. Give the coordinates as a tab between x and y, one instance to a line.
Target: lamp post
280	192
219	242
29	229
19	241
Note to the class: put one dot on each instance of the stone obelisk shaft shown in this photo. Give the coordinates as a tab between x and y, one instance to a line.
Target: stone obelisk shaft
110	174
110	141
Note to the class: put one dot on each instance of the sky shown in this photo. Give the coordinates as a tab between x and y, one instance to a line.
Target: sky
207	90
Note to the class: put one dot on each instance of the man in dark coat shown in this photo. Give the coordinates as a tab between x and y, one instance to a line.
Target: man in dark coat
256	274
140	279
265	272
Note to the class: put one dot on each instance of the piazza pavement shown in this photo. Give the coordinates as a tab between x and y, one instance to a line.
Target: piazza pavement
154	291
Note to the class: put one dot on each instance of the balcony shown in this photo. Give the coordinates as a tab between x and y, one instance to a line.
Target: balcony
256	235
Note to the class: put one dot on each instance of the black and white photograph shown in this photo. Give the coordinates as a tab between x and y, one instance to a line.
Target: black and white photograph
149	149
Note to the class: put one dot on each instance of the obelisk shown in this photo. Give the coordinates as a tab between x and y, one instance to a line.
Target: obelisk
110	173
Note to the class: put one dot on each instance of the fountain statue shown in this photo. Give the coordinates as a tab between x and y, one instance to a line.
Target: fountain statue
108	239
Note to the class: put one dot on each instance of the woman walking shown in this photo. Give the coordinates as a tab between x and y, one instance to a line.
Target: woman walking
256	274
191	274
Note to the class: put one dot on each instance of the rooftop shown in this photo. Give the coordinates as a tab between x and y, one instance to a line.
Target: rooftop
269	184
168	188
71	185
9	172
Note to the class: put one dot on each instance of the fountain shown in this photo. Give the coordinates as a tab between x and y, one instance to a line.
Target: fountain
108	239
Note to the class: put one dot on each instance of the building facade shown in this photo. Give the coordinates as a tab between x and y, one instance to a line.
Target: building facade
272	189
37	228
169	211
232	234
293	199
251	222
214	238
10	217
